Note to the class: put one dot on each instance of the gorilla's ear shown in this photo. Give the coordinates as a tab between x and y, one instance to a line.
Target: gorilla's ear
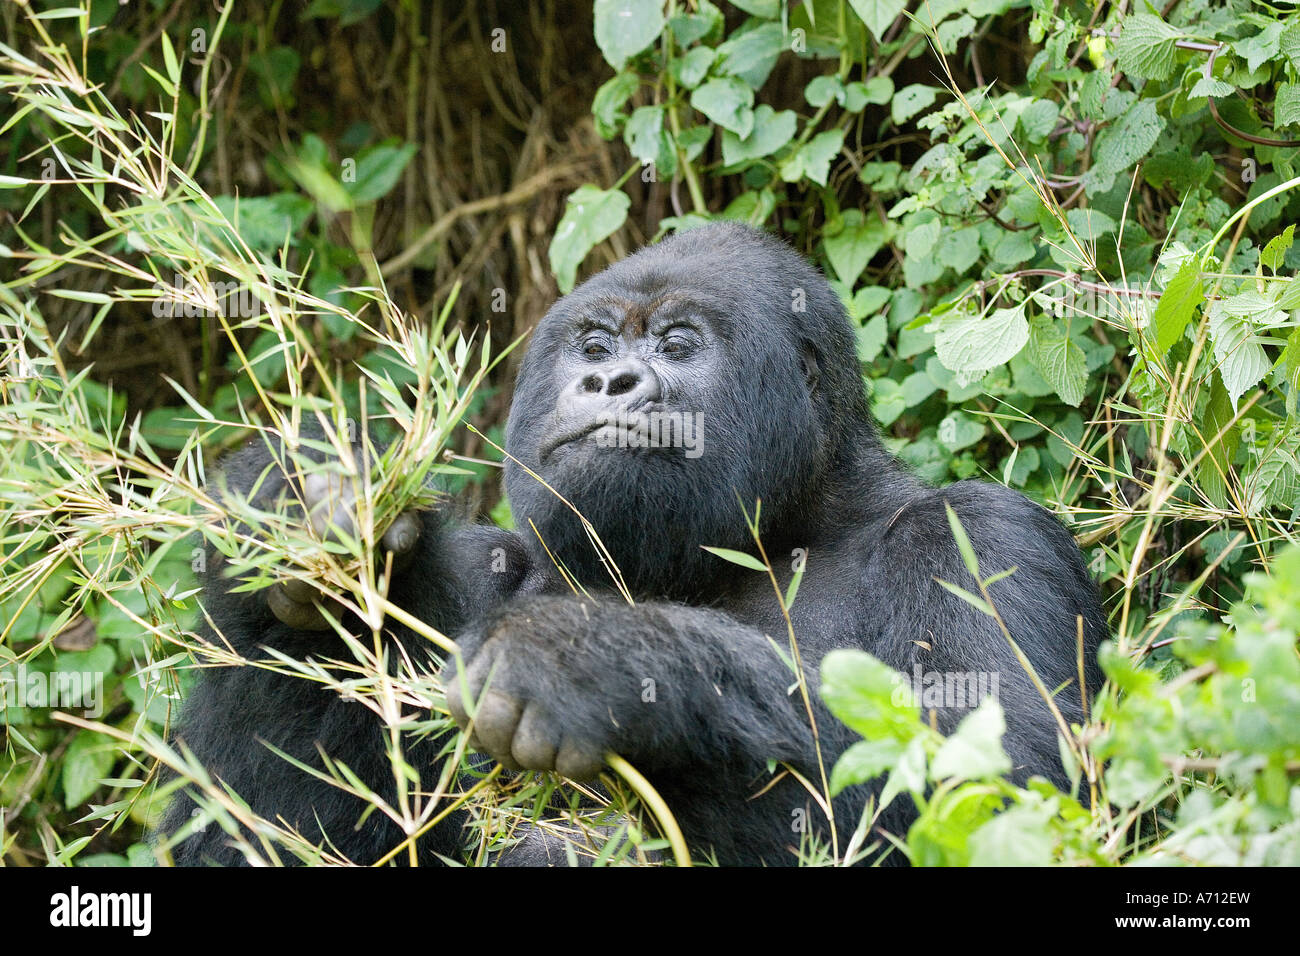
810	365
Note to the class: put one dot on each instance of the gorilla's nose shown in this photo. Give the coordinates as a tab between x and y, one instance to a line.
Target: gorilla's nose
628	384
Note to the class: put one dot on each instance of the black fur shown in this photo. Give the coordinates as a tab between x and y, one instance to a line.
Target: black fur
765	352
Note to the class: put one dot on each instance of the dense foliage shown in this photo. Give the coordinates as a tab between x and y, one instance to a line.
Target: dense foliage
1065	231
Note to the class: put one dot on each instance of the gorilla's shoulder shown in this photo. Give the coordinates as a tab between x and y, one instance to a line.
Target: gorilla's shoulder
994	517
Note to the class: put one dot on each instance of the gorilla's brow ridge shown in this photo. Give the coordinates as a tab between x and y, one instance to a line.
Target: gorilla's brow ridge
637	315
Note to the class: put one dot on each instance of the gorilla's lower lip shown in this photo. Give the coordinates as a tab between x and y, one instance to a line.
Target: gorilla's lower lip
627	424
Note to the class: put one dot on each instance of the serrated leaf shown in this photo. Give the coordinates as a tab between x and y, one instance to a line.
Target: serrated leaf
1146	46
1286	108
972	343
1273	253
1242	361
1061	363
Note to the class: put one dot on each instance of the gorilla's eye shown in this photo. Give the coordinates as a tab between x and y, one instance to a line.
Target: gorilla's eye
594	348
676	343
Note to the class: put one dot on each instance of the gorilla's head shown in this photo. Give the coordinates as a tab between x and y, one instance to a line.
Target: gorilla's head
699	374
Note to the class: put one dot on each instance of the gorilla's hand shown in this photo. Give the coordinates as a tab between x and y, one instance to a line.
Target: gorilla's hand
525	702
330	501
555	683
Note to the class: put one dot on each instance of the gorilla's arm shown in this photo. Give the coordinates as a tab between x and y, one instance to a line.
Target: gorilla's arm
234	713
697	701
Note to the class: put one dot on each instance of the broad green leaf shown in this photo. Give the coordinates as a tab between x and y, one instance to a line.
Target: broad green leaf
853	245
971	343
958	430
642	132
1242	361
1061	363
1286	109
1273	253
878	15
378	170
911	100
1146	46
813	159
591	215
869	696
752	54
865	760
1177	305
607	107
974	751
727	101
87	761
772	130
626	27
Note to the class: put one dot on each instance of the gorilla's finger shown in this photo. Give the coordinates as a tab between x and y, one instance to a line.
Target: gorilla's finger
456	691
534	743
579	759
495	722
300	616
402	534
296	589
331	505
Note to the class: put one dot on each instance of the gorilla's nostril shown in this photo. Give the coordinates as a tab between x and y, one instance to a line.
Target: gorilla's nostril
624	383
592	383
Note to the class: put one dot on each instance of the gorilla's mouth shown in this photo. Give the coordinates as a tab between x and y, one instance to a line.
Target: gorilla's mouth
622	429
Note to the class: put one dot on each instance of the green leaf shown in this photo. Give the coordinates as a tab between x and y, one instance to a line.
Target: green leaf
1241	360
752	54
964	547
170	62
772	130
691	69
1061	363
737	557
854	244
974	751
865	760
911	100
767	9
972	344
887	401
1146	47
607	107
1122	145
1273	253
869	696
1177	305
823	89
1088	225
642	132
1286	109
813	159
726	101
878	15
1018	836
626	27
378	170
591	215
87	761
958	430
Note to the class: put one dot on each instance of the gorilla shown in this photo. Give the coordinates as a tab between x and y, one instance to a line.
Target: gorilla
700	382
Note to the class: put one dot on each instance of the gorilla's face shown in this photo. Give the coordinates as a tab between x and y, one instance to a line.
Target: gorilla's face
666	393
